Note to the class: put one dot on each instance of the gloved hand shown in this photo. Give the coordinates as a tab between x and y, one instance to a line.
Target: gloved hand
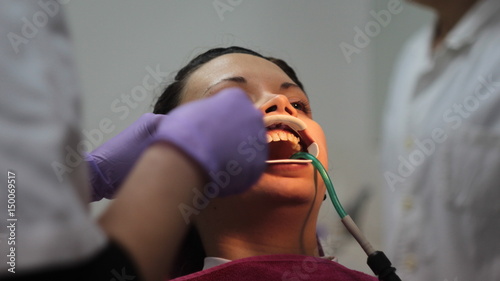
110	163
224	134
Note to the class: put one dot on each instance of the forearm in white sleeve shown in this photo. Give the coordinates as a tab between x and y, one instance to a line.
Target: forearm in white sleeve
39	121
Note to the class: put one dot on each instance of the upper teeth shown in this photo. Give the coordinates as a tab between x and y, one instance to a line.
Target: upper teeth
295	123
279	121
284	136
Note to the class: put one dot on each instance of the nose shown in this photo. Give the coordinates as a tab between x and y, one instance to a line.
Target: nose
278	104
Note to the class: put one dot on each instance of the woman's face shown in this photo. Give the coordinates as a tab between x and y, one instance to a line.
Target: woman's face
275	94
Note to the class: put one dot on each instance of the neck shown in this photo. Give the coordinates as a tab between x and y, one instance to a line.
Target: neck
449	14
281	230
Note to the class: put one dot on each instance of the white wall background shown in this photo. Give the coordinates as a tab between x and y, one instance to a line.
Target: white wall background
116	41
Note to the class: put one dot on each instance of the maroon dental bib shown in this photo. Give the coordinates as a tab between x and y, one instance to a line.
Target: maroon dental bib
279	267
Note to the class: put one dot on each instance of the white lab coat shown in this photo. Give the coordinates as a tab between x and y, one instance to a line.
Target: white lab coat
441	153
39	119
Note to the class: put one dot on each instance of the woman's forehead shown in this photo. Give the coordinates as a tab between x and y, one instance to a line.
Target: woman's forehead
239	65
254	69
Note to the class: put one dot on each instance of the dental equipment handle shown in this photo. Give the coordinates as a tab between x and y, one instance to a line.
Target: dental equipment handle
377	260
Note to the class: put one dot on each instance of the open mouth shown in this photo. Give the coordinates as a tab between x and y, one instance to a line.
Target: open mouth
287	135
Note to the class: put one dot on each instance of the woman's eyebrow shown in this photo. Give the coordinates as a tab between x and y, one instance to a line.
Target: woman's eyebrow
242	80
237	79
287	85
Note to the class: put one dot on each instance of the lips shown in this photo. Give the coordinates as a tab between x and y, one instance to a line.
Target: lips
286	136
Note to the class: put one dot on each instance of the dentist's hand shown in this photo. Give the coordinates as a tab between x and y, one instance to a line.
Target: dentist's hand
111	162
215	132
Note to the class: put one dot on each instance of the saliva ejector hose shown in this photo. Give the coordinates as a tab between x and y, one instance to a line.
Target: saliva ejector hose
377	260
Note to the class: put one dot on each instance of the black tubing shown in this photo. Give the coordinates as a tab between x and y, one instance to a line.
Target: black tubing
382	267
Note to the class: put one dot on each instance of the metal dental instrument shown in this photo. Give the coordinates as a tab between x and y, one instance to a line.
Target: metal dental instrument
377	260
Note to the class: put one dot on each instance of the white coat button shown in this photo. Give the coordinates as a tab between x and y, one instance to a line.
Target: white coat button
407	203
410	263
409	143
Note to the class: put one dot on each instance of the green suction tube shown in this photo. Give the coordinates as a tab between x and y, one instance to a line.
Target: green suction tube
326	178
377	260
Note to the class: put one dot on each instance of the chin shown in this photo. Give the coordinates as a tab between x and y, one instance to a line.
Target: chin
277	188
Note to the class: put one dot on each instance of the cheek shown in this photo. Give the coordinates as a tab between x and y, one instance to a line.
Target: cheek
319	137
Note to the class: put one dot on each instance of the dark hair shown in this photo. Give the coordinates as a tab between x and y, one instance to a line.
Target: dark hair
171	96
191	255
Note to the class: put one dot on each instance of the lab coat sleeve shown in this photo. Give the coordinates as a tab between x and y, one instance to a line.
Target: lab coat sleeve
39	138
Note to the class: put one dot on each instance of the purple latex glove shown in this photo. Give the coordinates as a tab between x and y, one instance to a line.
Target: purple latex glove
111	162
224	134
